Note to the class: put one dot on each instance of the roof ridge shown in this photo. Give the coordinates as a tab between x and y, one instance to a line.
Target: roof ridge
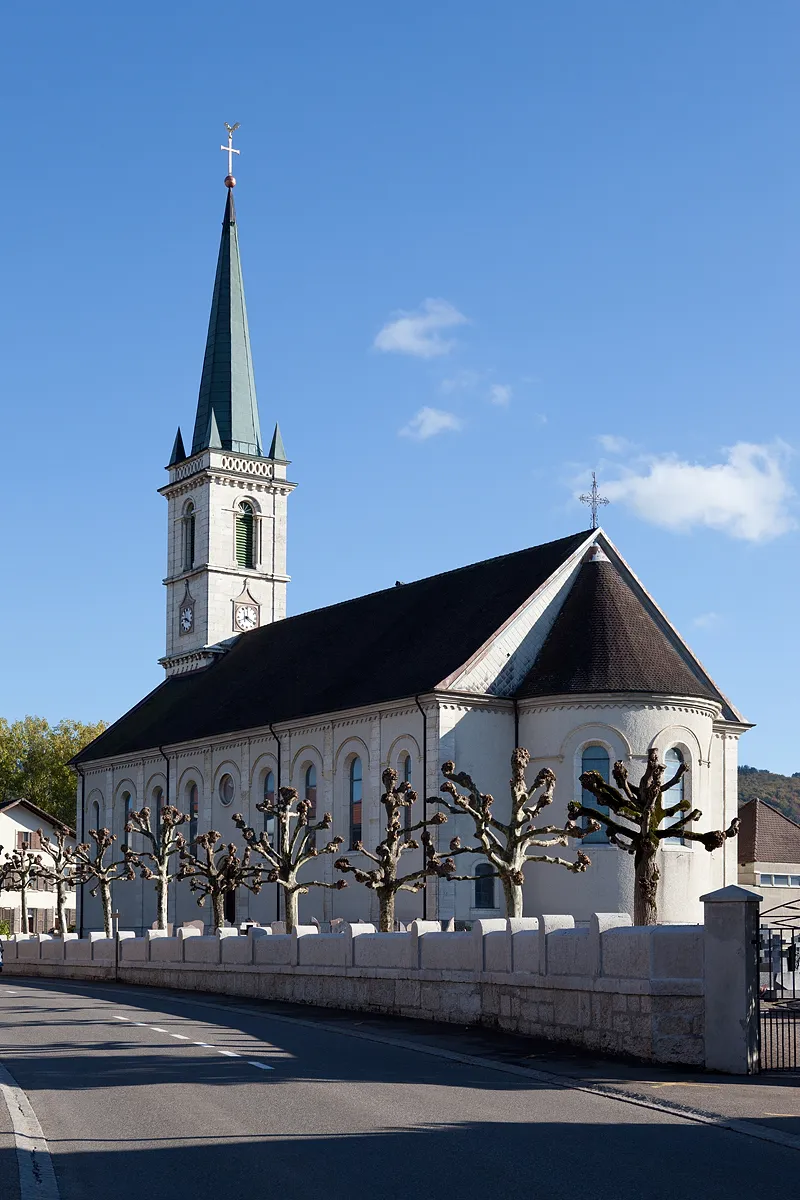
482	562
758	800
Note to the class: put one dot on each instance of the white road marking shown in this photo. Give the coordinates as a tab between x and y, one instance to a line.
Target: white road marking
206	1045
261	1066
37	1180
155	1029
229	1053
183	1038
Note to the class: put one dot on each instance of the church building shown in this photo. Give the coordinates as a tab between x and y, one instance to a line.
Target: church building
558	648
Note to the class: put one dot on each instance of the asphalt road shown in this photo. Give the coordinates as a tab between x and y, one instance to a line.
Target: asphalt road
159	1094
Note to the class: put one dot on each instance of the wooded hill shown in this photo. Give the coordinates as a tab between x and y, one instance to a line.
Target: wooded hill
781	791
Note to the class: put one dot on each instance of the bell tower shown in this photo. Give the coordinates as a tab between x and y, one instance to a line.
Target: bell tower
226	519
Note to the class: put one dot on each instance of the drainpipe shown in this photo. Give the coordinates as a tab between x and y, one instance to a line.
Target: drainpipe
277	793
424	795
80	838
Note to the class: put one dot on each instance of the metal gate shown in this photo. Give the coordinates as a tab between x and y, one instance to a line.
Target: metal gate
779	989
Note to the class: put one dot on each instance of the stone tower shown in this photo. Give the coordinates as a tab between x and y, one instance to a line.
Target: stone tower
226	524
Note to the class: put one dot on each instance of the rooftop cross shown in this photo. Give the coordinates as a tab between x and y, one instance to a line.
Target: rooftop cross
230	181
593	499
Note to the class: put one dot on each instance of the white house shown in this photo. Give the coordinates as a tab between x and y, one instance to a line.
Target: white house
20	824
558	648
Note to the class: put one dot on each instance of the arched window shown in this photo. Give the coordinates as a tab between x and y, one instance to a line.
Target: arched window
405	777
484	886
672	760
188	536
356	794
245	535
595	758
127	807
193	804
269	798
310	794
95	815
155	811
227	789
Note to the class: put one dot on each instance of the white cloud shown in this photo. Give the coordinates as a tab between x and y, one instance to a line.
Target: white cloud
430	421
706	620
614	444
500	394
419	333
748	496
462	381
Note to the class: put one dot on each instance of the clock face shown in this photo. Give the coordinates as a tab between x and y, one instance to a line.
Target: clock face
187	619
246	617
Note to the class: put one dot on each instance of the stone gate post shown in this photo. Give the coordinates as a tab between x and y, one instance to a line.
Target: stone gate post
731	980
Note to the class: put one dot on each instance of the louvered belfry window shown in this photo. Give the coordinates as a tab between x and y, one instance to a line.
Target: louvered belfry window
245	536
188	536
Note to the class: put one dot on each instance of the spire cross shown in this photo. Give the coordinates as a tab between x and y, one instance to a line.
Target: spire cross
229	148
593	499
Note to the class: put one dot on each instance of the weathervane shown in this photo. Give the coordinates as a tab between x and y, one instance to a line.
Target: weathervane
229	180
594	500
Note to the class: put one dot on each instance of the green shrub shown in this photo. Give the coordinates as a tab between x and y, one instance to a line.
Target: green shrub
5	929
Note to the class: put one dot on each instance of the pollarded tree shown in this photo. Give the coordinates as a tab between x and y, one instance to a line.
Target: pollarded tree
92	865
287	844
22	868
58	869
217	872
642	806
384	878
506	845
163	843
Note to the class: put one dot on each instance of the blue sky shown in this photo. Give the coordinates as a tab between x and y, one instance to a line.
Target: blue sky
487	249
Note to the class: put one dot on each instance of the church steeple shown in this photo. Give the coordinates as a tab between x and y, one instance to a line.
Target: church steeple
227	411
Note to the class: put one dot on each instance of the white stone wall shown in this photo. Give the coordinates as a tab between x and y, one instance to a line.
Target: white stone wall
479	736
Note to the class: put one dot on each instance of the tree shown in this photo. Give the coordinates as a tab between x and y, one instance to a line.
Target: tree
218	872
289	845
164	843
21	869
33	762
506	844
641	805
383	878
91	863
58	869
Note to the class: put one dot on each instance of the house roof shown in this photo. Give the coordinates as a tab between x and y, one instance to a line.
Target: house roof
385	646
605	640
766	835
227	411
46	817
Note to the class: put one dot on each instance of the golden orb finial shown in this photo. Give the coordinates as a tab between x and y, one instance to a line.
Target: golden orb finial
230	182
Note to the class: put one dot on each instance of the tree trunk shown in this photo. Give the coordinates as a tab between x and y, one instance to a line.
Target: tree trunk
292	907
23	900
61	907
105	897
162	896
513	897
645	893
218	907
386	909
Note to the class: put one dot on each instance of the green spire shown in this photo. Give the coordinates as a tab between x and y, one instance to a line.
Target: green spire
178	451
227	412
277	448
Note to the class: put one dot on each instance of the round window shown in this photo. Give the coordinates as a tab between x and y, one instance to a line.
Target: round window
226	789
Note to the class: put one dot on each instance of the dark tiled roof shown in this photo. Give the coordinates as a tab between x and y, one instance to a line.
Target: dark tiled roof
381	647
766	835
604	640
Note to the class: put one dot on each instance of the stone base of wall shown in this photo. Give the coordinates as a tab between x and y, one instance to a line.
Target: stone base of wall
650	1028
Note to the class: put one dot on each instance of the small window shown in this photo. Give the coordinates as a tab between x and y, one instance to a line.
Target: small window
595	758
227	790
780	880
193	799
356	795
405	776
188	536
484	886
765	880
24	841
794	881
269	798
245	535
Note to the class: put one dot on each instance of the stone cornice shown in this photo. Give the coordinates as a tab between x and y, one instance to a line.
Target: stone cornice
624	700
